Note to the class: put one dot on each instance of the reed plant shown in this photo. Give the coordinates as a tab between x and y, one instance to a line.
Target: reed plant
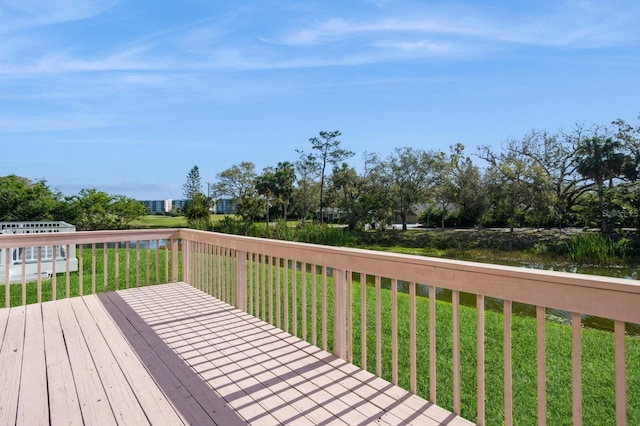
594	248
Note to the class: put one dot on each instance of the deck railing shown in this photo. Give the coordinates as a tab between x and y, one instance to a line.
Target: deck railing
463	335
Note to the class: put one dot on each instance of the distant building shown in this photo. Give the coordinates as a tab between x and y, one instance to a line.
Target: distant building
226	206
163	206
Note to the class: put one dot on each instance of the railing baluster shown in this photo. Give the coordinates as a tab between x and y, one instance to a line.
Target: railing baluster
542	367
7	277
413	358
24	277
148	262
241	283
349	301
363	320
264	287
278	284
249	284
93	268
138	263
455	302
271	260
80	269
256	284
54	262
508	392
324	308
294	297
303	296
67	273
480	365
314	306
253	286
116	277
576	364
127	250
378	327
104	267
394	331
286	294
39	280
157	276
432	345
339	316
621	382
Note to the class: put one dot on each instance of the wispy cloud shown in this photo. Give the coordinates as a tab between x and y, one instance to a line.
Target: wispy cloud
20	14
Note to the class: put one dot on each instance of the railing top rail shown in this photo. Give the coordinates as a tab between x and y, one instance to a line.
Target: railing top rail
608	297
85	237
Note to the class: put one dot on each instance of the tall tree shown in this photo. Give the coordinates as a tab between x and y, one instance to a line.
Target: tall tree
307	186
600	158
238	183
519	190
411	173
266	186
362	197
285	178
22	199
193	185
327	151
629	136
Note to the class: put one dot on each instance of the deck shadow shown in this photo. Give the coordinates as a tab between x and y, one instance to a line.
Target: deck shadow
192	397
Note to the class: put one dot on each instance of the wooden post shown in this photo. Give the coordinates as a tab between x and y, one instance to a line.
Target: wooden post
339	315
241	280
174	260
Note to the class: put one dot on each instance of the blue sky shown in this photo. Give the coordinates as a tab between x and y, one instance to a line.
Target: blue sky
127	96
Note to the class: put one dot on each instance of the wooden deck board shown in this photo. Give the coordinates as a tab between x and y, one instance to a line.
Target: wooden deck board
33	404
63	399
11	364
171	354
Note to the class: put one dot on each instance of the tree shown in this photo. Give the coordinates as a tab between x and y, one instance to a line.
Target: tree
327	152
126	210
285	178
22	199
600	159
197	212
411	173
238	183
629	136
193	185
90	208
266	185
519	190
307	188
362	197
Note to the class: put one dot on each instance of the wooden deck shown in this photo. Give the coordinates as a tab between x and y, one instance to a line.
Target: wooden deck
171	354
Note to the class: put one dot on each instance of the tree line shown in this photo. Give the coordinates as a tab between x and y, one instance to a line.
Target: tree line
24	200
585	177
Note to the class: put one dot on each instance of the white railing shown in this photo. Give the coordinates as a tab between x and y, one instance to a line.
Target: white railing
119	266
470	353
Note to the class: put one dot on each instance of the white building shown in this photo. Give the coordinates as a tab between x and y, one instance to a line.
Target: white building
30	254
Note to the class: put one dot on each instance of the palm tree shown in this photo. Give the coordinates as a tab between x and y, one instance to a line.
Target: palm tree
600	159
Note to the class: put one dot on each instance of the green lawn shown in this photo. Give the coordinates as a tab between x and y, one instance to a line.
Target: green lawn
160	221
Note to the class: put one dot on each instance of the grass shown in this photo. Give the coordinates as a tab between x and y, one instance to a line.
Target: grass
161	221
